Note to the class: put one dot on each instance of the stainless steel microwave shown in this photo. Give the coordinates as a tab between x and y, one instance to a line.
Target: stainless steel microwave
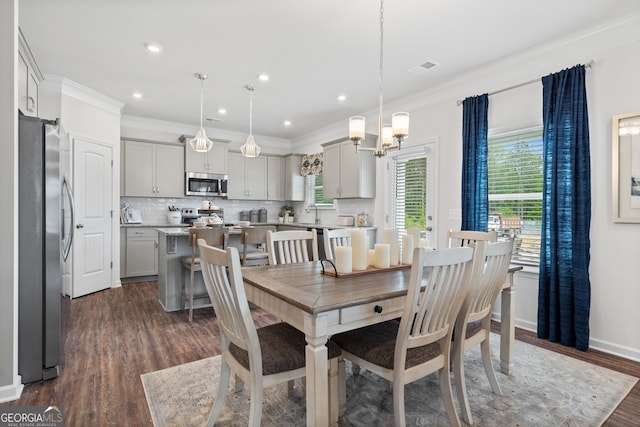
205	184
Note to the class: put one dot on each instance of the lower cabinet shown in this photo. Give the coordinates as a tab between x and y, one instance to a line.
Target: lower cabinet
141	252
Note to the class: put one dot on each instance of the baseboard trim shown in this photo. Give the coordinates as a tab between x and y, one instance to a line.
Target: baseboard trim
11	392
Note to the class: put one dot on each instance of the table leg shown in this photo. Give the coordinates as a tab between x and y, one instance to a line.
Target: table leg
507	325
316	371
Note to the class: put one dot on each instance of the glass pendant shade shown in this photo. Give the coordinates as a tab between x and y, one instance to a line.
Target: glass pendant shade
201	143
387	137
400	124
356	129
250	149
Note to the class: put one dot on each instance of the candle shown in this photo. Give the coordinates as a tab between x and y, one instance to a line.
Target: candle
344	259
381	255
391	238
371	257
359	249
415	232
407	249
424	243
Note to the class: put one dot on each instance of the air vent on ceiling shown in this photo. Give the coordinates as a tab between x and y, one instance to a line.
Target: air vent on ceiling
214	119
422	68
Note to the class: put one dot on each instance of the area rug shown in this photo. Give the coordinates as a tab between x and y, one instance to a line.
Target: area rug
545	389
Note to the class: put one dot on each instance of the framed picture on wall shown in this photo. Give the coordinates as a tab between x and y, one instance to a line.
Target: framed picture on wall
626	168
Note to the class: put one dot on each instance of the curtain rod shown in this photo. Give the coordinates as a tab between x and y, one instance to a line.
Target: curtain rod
459	102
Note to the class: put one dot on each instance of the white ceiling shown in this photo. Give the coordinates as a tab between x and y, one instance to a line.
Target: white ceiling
313	51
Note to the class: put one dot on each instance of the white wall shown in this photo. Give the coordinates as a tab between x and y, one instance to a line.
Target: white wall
10	386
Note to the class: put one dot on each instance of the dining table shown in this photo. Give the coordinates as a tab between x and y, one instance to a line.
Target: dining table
320	304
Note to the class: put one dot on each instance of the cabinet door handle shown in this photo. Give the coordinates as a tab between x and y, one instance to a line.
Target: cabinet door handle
79	226
31	104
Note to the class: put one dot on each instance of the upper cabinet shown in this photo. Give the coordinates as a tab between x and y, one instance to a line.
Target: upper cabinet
29	78
293	181
275	178
214	161
349	174
153	169
247	177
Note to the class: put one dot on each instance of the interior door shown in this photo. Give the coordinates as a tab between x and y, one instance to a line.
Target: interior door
92	179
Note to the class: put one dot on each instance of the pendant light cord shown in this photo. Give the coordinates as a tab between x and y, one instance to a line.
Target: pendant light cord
381	68
201	97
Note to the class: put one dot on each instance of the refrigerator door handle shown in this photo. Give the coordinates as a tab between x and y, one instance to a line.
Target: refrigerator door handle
65	252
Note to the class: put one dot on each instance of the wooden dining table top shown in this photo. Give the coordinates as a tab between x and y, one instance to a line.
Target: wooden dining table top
304	286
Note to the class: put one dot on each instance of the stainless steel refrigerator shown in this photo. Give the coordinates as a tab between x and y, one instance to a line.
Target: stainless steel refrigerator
44	241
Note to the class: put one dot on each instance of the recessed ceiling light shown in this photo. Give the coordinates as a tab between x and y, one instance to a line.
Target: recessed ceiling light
263	77
137	95
342	98
287	122
153	47
222	111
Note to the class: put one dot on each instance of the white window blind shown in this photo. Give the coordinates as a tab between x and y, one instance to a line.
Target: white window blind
314	194
409	193
515	191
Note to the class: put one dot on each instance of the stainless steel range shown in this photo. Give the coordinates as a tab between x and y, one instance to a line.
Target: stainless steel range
190	215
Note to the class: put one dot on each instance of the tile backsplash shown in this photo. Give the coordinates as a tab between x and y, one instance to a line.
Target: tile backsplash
154	210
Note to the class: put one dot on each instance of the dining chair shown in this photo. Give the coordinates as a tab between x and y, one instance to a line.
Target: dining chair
464	237
292	246
473	324
333	238
213	236
254	245
259	357
420	342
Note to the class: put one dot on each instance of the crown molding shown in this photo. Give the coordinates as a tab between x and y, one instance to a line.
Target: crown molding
82	93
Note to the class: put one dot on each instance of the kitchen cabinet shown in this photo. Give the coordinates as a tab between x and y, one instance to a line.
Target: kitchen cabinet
153	169
347	173
275	178
247	177
29	78
141	252
213	161
293	181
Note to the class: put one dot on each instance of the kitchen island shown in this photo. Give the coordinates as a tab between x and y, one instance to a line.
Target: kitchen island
173	246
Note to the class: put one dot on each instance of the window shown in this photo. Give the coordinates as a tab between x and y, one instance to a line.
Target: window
515	191
411	184
314	191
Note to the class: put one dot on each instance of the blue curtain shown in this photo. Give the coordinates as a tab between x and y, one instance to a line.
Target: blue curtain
564	295
475	187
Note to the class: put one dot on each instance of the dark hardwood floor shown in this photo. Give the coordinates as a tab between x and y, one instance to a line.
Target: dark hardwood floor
116	335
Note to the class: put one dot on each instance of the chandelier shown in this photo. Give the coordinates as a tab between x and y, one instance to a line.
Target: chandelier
398	130
250	149
200	142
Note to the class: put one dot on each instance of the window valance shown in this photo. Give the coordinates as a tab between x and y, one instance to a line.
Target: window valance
311	164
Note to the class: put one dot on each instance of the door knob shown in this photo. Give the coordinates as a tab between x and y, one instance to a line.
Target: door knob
429	228
80	226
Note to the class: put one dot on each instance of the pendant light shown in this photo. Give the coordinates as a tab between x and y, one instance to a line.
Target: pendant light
200	142
398	130
250	149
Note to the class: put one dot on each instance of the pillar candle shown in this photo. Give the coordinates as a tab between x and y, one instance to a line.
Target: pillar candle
391	238
382	255
424	243
415	232
359	249
371	257
344	259
407	249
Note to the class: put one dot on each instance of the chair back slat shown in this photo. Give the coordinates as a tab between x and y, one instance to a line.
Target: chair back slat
333	239
223	280
434	302
218	237
483	293
291	246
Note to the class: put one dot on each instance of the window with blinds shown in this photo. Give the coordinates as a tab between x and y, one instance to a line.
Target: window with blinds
315	195
515	191
409	194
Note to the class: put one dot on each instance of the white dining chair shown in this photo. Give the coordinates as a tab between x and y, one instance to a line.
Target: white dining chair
259	357
334	238
292	246
458	238
473	324
420	343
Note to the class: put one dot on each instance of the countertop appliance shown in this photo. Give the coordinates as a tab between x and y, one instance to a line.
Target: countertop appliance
205	184
45	206
189	216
